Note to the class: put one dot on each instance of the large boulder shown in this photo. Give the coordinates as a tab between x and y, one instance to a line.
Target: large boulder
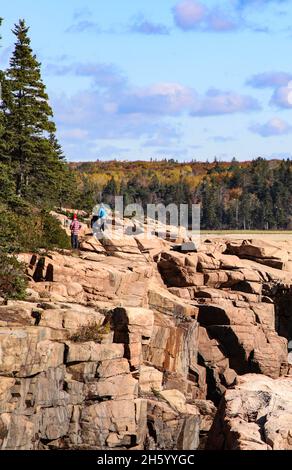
258	249
28	351
119	242
133	327
176	271
63	278
92	352
245	336
171	429
255	415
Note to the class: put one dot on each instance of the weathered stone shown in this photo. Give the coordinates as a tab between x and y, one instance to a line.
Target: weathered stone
193	386
93	352
26	352
112	367
122	243
139	321
177	272
17	432
258	249
207	413
120	387
123	280
173	346
154	245
149	379
92	244
183	325
225	314
172	430
46	389
6	383
215	279
256	415
99	420
82	372
175	399
207	262
54	422
16	314
71	318
168	303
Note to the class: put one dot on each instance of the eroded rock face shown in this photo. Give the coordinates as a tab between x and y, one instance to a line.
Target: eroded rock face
60	277
255	415
184	332
167	426
237	321
57	393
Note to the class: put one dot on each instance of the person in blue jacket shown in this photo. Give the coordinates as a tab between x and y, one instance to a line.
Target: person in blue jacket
100	217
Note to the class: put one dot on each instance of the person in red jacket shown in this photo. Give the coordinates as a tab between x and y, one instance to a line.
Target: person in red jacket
75	228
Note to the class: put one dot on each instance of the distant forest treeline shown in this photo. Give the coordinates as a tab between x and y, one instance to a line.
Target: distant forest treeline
233	195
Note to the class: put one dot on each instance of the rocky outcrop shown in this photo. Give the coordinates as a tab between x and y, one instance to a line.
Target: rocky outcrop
179	334
255	415
237	322
56	393
62	277
264	253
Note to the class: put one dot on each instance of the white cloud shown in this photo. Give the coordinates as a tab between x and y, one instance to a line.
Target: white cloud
141	25
161	99
217	102
74	134
269	79
188	14
258	3
114	110
274	127
84	26
282	96
193	15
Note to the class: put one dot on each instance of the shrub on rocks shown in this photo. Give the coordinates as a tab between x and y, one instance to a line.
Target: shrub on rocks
92	332
13	281
29	229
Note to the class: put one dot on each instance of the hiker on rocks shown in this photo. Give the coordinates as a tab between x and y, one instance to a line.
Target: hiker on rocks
75	228
100	218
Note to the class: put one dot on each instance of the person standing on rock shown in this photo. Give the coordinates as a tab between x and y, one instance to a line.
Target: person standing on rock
100	218
75	228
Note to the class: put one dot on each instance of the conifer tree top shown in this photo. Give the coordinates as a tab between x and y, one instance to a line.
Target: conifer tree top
26	85
32	148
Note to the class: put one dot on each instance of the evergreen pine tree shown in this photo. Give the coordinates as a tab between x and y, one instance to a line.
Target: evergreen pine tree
109	192
2	118
4	152
34	157
6	182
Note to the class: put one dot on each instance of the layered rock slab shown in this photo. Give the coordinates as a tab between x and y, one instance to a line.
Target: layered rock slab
255	415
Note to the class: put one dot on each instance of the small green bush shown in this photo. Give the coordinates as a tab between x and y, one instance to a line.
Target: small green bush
92	332
13	281
53	234
28	229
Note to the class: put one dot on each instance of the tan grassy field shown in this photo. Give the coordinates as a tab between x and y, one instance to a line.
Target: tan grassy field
268	236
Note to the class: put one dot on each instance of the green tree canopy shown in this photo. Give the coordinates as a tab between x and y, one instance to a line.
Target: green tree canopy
31	147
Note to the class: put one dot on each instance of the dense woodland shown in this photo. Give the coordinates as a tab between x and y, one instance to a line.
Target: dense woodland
248	195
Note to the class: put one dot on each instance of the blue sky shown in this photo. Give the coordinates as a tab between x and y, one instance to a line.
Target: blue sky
184	79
